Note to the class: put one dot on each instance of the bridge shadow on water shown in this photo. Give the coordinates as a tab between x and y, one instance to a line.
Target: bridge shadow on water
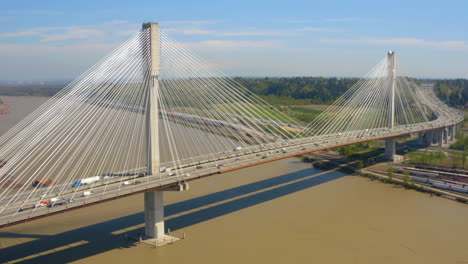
98	238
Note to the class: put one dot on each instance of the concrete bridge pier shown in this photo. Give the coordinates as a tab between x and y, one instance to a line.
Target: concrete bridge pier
421	137
428	138
440	137
452	133
390	149
446	136
435	138
154	214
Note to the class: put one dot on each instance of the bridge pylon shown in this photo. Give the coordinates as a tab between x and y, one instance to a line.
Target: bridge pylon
390	145
153	200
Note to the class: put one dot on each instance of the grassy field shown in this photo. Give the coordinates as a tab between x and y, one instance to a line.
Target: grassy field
303	114
297	114
259	111
316	107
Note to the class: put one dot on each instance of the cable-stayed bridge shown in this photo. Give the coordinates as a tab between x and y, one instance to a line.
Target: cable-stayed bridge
152	116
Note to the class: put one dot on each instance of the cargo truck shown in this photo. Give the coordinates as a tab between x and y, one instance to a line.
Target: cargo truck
84	181
41	183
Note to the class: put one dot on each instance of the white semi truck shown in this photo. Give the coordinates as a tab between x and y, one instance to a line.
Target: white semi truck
89	180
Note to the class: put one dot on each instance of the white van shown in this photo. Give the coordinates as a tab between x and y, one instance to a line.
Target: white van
88	193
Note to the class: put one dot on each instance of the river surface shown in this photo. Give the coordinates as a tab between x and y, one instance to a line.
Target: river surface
279	212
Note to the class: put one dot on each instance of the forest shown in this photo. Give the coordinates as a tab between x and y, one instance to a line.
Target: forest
298	90
453	92
284	90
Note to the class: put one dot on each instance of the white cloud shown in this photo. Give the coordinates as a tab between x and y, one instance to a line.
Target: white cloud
278	33
73	33
313	29
187	31
190	22
330	20
196	32
254	33
20	34
104	31
229	44
412	42
43	62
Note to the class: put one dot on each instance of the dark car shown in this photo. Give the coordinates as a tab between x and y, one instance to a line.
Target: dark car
57	203
25	207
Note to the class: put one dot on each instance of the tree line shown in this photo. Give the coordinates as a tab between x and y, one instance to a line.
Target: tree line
454	92
298	90
284	90
30	90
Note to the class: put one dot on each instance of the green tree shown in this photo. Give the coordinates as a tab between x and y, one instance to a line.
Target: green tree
391	171
406	178
360	165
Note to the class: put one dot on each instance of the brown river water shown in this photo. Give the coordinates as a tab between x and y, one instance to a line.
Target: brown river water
280	212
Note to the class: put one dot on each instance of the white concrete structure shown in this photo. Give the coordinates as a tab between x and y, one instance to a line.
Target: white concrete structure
390	148
154	200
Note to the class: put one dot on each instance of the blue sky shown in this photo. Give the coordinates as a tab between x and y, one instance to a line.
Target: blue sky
50	40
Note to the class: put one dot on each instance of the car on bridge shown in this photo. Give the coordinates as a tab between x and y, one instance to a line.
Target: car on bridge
25	207
41	183
42	204
87	193
57	203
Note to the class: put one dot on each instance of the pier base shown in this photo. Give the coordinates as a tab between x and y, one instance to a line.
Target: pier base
161	241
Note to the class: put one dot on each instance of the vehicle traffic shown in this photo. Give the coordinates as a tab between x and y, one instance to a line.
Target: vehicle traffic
84	181
41	183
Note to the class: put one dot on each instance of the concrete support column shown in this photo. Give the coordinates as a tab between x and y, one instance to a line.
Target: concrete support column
154	214
440	137
420	140
426	139
453	134
446	135
390	148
